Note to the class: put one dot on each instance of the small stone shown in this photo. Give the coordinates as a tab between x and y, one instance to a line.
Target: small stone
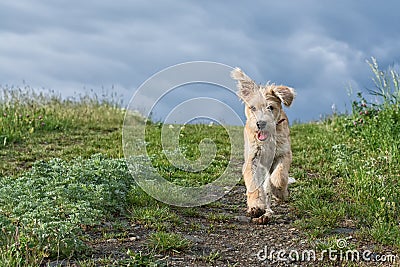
194	239
244	219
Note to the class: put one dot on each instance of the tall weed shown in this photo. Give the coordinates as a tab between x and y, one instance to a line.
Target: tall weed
25	112
372	174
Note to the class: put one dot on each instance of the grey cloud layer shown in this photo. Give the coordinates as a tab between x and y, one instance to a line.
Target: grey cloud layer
318	47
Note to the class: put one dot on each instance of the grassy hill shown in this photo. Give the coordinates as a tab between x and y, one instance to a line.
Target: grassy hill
65	189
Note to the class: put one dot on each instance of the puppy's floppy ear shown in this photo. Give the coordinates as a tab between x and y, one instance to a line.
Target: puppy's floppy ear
246	86
285	94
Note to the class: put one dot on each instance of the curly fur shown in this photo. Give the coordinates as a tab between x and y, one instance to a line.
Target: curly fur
267	149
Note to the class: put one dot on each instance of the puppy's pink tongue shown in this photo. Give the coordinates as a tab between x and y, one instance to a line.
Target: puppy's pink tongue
261	136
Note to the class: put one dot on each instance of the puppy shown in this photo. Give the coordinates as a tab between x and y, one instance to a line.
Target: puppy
267	151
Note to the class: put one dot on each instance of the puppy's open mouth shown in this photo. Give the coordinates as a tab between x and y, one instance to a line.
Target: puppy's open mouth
262	136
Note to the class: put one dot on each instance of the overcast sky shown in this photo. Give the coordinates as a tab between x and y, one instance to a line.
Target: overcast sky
319	47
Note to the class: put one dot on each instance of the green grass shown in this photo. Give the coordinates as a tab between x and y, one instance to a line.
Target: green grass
62	174
349	169
199	170
158	217
163	241
43	126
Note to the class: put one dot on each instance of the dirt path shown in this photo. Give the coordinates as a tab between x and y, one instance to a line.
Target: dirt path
237	241
221	235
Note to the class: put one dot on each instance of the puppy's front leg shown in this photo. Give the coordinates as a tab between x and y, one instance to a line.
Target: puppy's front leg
280	176
268	196
266	217
254	192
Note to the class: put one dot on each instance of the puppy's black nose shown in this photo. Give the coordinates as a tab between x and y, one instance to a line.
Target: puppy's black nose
261	124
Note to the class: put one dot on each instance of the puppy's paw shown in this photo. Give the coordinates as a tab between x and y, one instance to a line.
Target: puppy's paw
265	218
255	212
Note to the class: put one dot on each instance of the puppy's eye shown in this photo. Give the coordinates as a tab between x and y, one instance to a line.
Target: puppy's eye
252	108
270	108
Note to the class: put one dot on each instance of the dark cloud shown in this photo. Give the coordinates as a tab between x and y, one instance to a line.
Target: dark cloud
317	47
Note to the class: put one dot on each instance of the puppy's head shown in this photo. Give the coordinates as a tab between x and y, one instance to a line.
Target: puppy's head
263	103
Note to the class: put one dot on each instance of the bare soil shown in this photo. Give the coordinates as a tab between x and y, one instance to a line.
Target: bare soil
231	241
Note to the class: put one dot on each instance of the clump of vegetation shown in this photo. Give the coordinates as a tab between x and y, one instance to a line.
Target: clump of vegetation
44	211
355	159
163	241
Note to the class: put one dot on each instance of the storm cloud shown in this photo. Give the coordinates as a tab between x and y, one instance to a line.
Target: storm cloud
318	47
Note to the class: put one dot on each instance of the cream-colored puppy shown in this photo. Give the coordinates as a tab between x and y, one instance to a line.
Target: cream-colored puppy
267	150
